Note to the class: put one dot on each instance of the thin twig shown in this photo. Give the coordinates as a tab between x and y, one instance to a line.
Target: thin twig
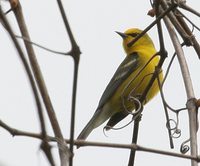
184	16
75	53
188	8
152	24
134	141
191	38
183	29
42	47
163	55
176	23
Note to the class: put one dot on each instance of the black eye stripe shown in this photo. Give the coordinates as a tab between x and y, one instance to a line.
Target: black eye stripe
133	34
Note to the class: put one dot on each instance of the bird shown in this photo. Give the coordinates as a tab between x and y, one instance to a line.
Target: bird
130	79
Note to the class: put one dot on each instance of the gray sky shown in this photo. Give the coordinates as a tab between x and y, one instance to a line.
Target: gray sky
93	24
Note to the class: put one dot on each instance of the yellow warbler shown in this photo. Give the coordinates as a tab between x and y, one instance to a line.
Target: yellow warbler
130	79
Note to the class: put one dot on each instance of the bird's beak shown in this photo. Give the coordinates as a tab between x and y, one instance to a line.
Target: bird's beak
123	35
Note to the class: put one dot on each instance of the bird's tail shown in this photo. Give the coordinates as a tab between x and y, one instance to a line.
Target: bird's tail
87	130
98	118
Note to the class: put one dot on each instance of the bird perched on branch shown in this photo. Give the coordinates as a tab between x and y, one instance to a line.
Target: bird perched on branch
129	82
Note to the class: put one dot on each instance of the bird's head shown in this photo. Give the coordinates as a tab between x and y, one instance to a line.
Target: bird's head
129	36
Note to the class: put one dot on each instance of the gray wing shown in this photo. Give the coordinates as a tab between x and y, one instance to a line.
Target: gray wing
129	64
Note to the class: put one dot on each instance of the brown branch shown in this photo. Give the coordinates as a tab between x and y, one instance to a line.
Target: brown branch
163	55
192	110
182	28
64	154
152	24
31	79
191	38
135	147
75	53
176	24
188	8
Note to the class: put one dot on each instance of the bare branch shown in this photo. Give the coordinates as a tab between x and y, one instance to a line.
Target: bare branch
81	143
64	154
188	8
189	90
152	24
75	53
182	28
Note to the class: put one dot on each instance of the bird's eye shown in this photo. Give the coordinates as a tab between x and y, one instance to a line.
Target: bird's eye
133	34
